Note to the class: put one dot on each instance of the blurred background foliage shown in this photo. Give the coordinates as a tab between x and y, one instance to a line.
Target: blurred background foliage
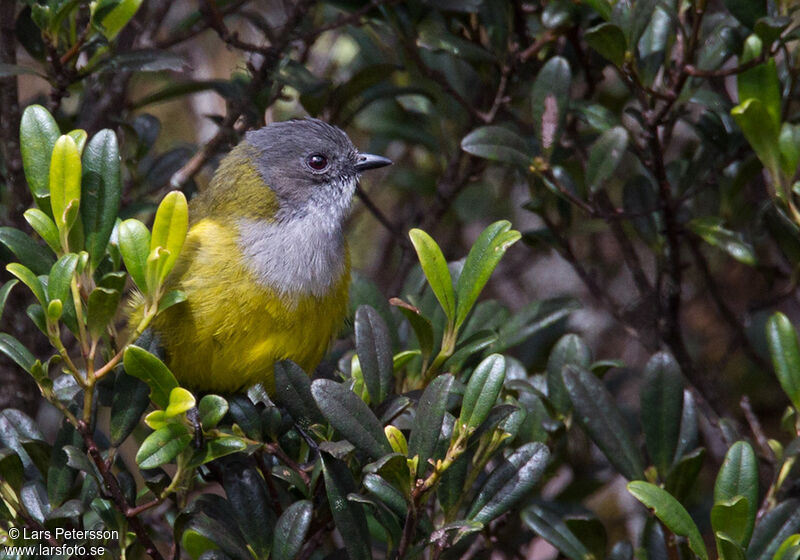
646	149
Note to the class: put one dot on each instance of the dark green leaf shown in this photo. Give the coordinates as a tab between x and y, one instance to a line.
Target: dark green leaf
15	350
601	419
348	516
553	529
29	253
60	477
772	529
747	11
609	40
662	406
497	143
374	349
683	475
102	306
785	352
605	156
351	416
510	482
4	291
293	391
100	197
250	501
550	99
428	421
713	233
38	134
731	517
212	409
144	60
291	530
131	398
386	493
570	349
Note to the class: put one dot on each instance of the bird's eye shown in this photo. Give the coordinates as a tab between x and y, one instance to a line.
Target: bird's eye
317	162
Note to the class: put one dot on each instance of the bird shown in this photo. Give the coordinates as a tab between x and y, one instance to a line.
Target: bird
265	268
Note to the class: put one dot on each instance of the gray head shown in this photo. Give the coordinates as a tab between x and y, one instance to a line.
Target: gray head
311	166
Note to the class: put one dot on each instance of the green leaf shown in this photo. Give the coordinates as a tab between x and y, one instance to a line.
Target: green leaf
481	261
348	516
102	306
761	132
60	478
45	227
738	476
291	530
211	409
785	352
731	517
169	231
605	156
65	184
374	349
711	230
27	251
163	445
435	268
509	483
4	292
61	275
247	493
601	419
608	40
27	277
143	365
727	548
683	475
79	136
293	391
215	448
114	20
130	399
497	143
428	421
422	327
772	529
662	407
552	528
134	245
172	297
180	401
38	134
386	493
670	512
351	416
789	145
550	99
570	349
482	391
101	192
17	352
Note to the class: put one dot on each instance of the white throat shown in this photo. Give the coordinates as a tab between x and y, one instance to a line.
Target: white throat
299	254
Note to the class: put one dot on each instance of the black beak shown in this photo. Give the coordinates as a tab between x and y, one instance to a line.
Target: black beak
369	161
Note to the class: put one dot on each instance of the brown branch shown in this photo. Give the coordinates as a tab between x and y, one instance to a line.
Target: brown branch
112	486
392	228
758	431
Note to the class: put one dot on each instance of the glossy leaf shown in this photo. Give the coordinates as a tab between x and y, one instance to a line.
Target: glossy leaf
27	277
131	398
348	516
747	11
713	233
662	406
142	364
497	143
772	529
435	268
45	227
608	40
605	156
738	476
761	132
293	391
481	261
291	530
421	325
65	183
169	231
134	245
211	409
597	414
428	421
27	251
163	445
727	548
374	349
38	135
731	517
351	416
101	192
570	349
509	483
670	512
18	353
785	352
550	99
247	493
102	306
482	391
553	529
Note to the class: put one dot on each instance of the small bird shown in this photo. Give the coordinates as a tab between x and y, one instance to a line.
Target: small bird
265	267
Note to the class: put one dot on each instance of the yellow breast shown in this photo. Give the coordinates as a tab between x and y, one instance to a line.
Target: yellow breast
232	329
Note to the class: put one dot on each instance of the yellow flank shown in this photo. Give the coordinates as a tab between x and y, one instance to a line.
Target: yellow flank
231	330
